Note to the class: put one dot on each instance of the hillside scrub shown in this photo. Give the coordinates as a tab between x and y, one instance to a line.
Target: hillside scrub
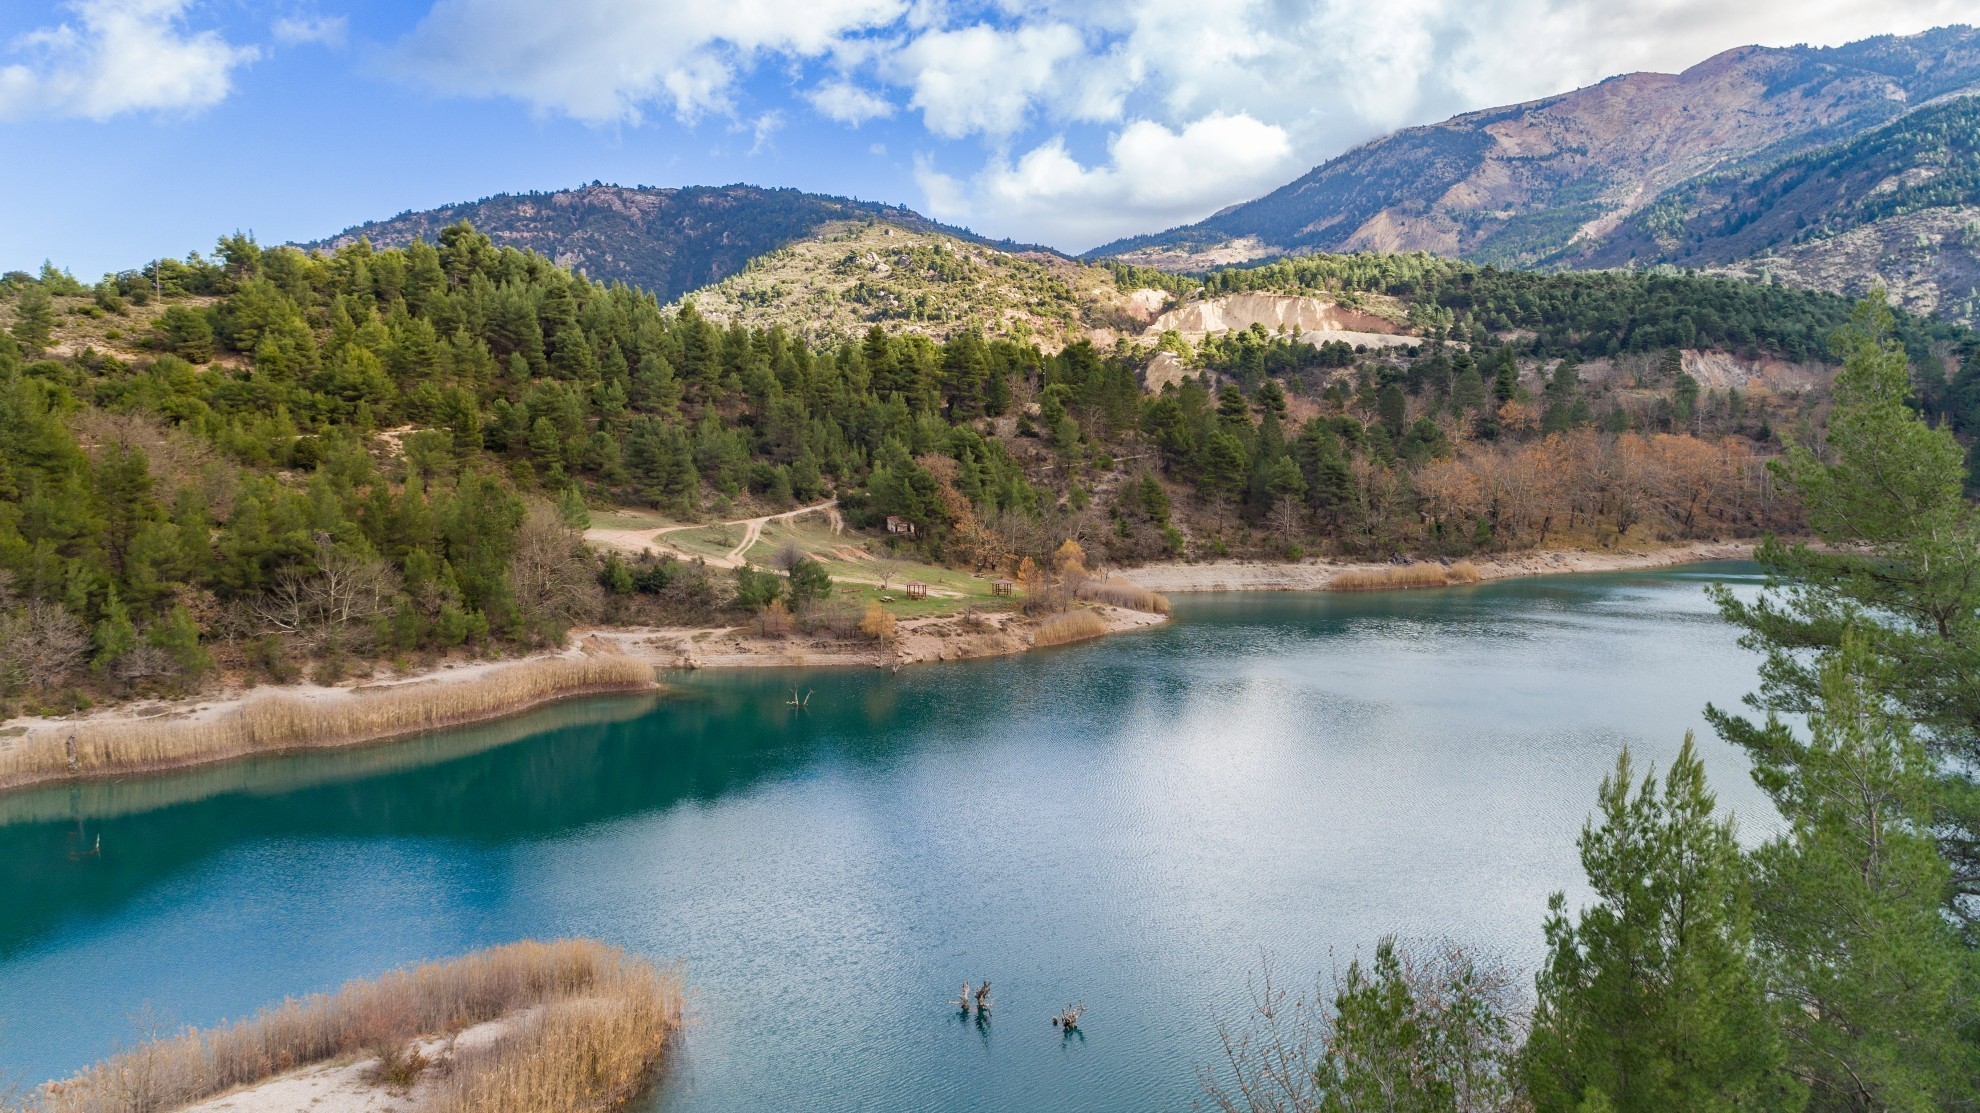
593	1024
275	723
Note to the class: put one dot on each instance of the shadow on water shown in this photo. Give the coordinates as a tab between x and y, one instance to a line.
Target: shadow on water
597	759
571	764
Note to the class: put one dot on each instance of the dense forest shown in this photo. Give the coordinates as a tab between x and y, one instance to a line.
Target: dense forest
315	457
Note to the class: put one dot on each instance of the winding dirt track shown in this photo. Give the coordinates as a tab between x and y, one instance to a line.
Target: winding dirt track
638	540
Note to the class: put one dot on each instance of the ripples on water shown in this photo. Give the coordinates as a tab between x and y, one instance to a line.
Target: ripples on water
1132	823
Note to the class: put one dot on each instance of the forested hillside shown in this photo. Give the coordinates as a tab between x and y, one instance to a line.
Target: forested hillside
272	458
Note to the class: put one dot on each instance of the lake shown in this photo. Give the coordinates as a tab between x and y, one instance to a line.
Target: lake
1138	824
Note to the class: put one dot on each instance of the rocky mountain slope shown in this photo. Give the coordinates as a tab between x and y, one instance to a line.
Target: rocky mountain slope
668	241
1898	206
1530	183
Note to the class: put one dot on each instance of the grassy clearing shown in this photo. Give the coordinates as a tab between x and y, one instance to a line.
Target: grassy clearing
601	1022
276	723
632	517
1402	576
711	542
1121	593
1072	626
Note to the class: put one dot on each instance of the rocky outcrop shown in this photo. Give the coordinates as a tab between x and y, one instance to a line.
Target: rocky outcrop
1276	312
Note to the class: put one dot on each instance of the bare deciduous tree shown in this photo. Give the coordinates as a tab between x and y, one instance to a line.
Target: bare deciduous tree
341	591
41	646
551	574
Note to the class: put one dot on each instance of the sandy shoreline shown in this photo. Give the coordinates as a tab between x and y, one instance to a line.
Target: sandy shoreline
1316	575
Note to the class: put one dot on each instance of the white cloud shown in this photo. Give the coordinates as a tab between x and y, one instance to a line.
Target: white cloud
982	79
120	56
1154	177
1201	104
607	61
1323	74
848	103
765	126
303	30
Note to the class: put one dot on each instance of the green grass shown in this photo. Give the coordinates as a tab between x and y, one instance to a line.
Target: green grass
707	541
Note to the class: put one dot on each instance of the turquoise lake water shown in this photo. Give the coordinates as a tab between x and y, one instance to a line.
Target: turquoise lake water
1137	824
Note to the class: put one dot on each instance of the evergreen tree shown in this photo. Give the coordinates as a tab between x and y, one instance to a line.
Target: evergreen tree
1393	408
186	333
965	372
34	317
1467	386
809	582
1505	376
1224	466
115	636
571	509
1900	568
1875	990
177	637
1647	1001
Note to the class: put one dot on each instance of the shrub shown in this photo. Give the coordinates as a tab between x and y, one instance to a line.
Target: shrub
878	623
774	619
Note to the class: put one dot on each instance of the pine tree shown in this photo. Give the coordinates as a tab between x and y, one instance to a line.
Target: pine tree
1223	467
1874	986
34	317
115	635
177	637
1647	998
571	509
1393	408
1900	569
1467	386
1505	378
965	371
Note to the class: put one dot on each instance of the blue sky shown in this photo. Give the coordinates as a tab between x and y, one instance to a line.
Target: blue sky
141	128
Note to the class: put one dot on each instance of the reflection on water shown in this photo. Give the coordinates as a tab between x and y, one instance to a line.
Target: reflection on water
1128	823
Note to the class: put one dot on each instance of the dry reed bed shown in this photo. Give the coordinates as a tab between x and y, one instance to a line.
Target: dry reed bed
1405	576
108	797
273	724
1121	593
1072	626
599	1023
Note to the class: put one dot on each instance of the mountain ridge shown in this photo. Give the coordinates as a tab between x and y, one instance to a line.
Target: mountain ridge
1516	184
667	240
